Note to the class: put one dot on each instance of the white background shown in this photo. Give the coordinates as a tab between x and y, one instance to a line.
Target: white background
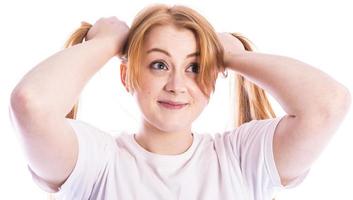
316	32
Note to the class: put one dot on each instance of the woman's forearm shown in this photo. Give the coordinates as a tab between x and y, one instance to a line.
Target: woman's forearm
54	84
299	88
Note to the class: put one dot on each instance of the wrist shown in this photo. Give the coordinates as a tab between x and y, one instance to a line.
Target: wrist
109	45
234	59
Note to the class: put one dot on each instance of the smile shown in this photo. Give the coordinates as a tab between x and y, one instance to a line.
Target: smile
172	105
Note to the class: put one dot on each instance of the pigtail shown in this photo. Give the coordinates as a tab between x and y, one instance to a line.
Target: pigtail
252	103
77	37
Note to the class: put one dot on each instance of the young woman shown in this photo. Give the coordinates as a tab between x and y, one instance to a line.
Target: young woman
170	59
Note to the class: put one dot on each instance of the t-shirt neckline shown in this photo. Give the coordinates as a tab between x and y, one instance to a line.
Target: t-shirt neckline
167	159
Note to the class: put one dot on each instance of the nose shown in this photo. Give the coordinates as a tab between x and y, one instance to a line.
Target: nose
176	83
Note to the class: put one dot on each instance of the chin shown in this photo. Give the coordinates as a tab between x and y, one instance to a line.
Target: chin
173	127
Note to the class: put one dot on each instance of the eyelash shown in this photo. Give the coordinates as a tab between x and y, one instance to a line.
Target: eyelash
155	62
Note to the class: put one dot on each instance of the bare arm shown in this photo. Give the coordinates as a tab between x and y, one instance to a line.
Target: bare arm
315	103
54	84
44	96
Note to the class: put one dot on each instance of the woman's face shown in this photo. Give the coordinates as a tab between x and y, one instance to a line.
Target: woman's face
169	97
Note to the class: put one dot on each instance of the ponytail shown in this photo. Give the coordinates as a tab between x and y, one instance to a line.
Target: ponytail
252	102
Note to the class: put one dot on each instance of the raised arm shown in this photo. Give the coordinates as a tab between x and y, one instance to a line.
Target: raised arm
41	100
315	104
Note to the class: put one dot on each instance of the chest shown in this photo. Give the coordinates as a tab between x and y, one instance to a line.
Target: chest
209	176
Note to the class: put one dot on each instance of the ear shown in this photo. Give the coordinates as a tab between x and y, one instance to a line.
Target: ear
123	69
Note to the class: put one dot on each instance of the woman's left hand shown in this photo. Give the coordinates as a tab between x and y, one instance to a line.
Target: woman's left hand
232	46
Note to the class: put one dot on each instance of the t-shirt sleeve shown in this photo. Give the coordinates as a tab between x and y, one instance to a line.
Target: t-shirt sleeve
95	150
254	149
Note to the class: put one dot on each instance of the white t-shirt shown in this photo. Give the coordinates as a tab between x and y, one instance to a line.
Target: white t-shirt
237	164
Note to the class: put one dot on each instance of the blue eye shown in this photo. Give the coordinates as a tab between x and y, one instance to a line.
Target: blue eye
195	68
158	65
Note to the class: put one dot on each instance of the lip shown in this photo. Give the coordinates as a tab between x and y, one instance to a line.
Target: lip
172	104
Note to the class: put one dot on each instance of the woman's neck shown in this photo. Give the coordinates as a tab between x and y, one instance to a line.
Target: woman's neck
164	143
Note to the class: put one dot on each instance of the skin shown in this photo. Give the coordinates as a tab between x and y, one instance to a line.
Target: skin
168	131
311	120
51	148
300	136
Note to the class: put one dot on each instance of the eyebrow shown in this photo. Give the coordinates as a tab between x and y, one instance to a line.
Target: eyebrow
168	54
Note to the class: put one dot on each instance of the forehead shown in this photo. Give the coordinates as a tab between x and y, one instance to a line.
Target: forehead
170	37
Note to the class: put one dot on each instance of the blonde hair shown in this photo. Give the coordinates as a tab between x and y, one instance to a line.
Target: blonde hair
252	103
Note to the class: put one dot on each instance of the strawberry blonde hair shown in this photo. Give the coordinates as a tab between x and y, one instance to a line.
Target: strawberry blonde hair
252	102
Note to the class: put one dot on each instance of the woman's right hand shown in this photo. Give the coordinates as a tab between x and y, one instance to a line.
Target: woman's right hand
110	28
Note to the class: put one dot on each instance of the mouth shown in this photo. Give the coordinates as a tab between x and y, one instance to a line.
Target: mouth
172	105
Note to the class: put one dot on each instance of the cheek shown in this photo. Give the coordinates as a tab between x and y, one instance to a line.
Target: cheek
199	98
149	90
153	84
150	87
202	103
196	91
